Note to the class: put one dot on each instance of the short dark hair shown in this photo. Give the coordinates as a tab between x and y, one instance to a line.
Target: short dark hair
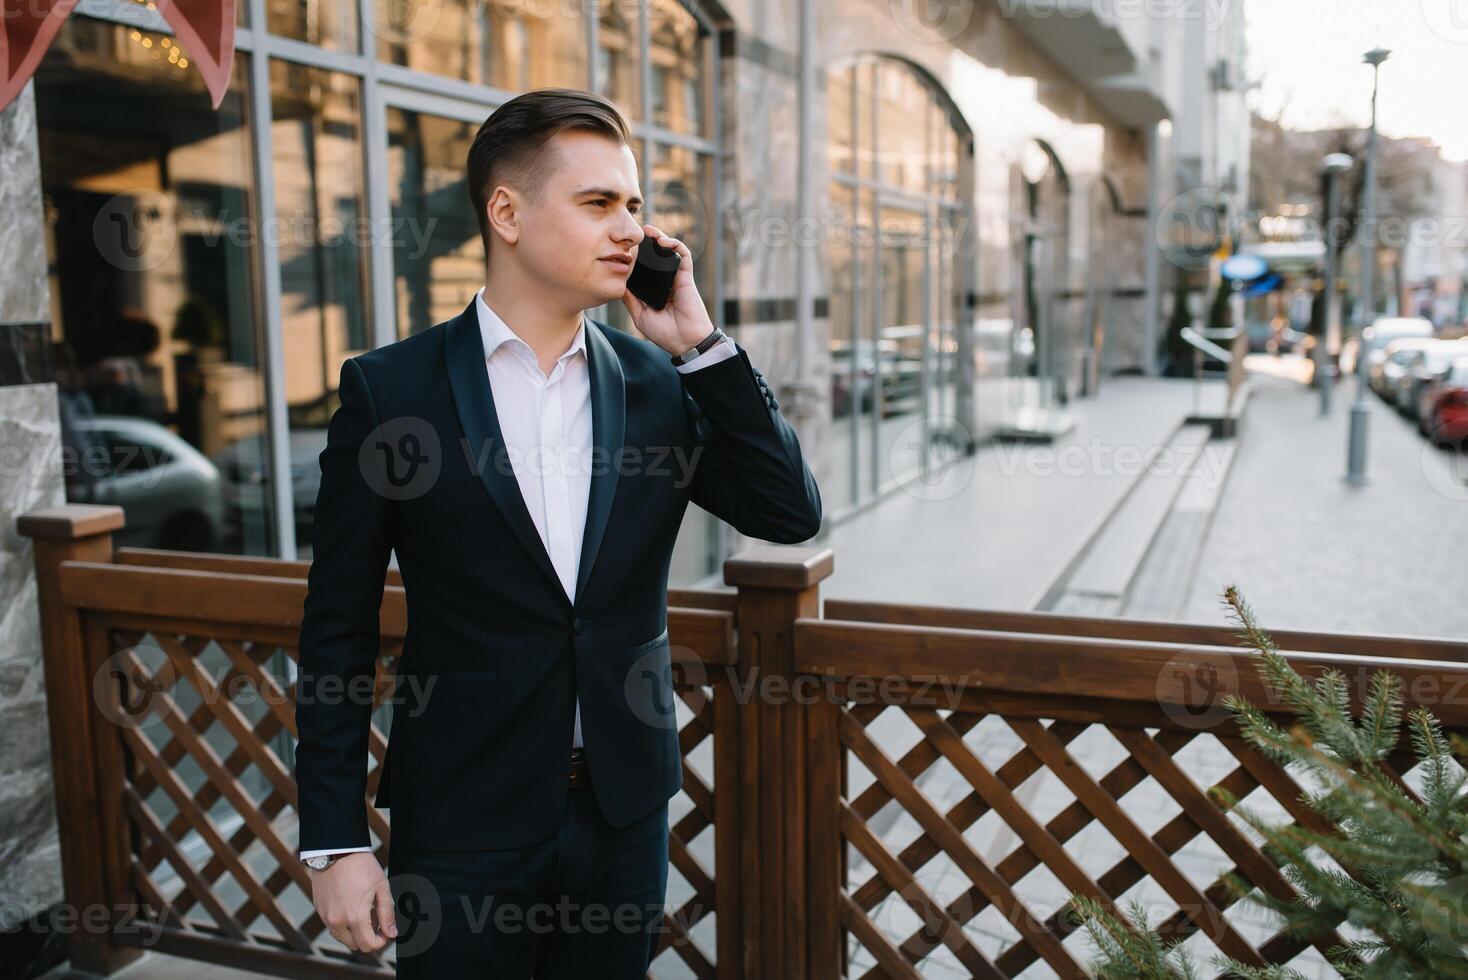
509	147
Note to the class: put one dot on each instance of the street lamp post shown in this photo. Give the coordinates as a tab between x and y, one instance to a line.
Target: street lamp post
1335	164
1356	449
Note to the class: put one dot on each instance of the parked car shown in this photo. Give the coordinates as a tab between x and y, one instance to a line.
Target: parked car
1383	331
1424	366
169	492
246	486
1444	417
1388	372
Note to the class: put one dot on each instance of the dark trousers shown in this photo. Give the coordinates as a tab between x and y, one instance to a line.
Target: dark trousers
585	902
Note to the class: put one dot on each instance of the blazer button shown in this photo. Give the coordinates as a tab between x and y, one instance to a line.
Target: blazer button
578	625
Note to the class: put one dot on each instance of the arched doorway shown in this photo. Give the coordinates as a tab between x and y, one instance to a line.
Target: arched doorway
1044	334
899	153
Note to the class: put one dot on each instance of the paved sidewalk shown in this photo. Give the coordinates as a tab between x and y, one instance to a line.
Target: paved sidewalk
1309	551
1013	516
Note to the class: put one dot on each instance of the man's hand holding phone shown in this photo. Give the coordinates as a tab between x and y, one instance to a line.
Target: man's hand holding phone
683	322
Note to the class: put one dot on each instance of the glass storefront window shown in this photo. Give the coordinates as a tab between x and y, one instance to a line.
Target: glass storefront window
849	385
902	118
330	24
438	260
838	120
514	47
678	49
150	208
865	137
618	63
892	335
316	143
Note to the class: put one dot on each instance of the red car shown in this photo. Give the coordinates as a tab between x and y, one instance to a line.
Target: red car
1447	417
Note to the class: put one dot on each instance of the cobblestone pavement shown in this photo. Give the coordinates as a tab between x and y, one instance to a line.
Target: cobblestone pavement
1309	551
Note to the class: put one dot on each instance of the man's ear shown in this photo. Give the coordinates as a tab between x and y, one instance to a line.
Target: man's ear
502	210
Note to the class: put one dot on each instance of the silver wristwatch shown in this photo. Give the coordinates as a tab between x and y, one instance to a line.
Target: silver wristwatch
703	345
320	862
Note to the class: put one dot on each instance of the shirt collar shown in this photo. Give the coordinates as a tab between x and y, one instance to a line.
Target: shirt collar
493	331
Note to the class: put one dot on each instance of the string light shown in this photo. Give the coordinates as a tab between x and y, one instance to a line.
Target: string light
176	56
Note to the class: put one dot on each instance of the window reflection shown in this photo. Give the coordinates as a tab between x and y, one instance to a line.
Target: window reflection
679	53
438	261
329	24
512	46
150	209
617	60
892	337
838	119
322	240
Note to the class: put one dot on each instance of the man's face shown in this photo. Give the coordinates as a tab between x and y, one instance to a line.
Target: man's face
590	208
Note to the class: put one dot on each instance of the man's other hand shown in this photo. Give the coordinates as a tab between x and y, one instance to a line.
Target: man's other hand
353	898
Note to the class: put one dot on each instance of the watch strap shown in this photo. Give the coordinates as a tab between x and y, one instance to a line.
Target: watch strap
713	338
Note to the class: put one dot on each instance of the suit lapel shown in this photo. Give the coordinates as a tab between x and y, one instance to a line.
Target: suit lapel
608	425
474	400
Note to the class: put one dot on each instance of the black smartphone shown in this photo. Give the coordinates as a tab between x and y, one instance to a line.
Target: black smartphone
652	274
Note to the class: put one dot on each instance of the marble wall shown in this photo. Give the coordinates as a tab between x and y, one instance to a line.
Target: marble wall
30	436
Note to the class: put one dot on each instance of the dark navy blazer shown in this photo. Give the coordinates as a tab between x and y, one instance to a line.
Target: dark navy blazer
495	651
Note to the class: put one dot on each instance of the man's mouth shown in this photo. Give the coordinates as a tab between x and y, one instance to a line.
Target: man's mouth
618	262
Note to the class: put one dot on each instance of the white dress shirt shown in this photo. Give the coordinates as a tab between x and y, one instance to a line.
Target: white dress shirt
546	424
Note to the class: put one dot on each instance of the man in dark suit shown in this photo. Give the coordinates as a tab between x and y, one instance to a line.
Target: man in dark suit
530	467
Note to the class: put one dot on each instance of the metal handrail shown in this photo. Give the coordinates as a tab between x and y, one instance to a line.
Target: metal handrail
1201	341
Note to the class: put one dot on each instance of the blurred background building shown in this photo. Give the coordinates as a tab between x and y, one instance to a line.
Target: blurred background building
925	222
1421	237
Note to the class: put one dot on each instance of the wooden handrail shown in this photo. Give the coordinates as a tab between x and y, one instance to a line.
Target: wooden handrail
1069	666
1363	644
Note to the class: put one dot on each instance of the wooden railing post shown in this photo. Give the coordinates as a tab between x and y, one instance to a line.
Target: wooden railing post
88	789
777	584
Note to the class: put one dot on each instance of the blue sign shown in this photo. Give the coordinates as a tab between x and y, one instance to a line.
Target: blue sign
1268	284
1243	267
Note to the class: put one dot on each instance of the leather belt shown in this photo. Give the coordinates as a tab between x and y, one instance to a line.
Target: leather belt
580	775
